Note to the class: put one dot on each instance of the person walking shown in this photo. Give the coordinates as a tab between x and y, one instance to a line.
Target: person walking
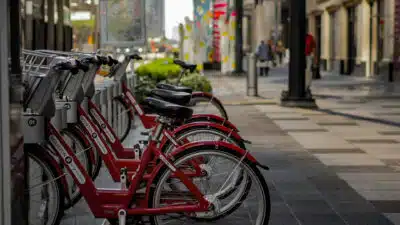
310	59
263	53
280	50
272	52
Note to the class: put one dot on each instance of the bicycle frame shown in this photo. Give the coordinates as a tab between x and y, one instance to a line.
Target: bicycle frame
168	135
106	203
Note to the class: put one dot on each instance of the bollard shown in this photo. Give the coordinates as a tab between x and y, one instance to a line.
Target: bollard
252	76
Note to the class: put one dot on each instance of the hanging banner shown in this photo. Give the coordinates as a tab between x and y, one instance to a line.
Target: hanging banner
122	22
203	19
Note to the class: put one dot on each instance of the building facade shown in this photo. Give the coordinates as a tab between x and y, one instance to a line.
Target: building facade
354	37
155	18
265	20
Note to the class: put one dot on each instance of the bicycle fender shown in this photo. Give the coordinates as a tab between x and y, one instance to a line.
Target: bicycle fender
212	118
232	132
196	146
206	95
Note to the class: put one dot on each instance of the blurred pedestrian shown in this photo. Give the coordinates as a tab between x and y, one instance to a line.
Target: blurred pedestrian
280	50
272	50
263	53
310	59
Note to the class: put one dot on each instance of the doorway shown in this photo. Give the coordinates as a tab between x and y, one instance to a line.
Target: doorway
351	40
380	34
318	28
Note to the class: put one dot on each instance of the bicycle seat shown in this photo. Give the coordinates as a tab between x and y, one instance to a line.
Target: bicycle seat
167	109
177	88
186	66
179	98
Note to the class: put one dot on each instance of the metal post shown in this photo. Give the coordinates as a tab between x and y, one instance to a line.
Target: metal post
296	95
252	76
13	200
239	37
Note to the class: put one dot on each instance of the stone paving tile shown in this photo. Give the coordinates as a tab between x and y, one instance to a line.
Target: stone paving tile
363	169
373	140
302	125
320	140
333	150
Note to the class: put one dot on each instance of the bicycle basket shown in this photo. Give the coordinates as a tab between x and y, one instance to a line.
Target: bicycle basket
40	78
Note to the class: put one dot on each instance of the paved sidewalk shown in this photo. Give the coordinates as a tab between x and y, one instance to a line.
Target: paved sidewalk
324	169
358	97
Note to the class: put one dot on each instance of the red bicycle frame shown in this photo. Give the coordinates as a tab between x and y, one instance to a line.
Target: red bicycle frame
168	136
148	121
114	165
105	203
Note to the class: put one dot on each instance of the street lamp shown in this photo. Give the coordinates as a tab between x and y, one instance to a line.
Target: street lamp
371	5
296	95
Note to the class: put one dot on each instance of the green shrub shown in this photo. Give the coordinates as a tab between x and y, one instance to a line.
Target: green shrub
197	82
165	71
159	69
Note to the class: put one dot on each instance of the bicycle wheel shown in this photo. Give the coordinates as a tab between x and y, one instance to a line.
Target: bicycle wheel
46	206
83	155
122	118
205	104
222	209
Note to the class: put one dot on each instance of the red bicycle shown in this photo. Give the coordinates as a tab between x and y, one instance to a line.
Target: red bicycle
174	188
82	128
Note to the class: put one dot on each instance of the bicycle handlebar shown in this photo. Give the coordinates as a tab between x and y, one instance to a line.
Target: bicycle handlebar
68	65
112	61
82	65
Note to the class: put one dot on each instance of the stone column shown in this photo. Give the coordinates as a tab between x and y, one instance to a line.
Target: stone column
245	34
60	25
28	24
268	19
326	39
50	24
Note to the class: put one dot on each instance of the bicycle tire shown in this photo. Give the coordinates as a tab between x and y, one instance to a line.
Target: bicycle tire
120	101
77	140
251	166
37	153
217	104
